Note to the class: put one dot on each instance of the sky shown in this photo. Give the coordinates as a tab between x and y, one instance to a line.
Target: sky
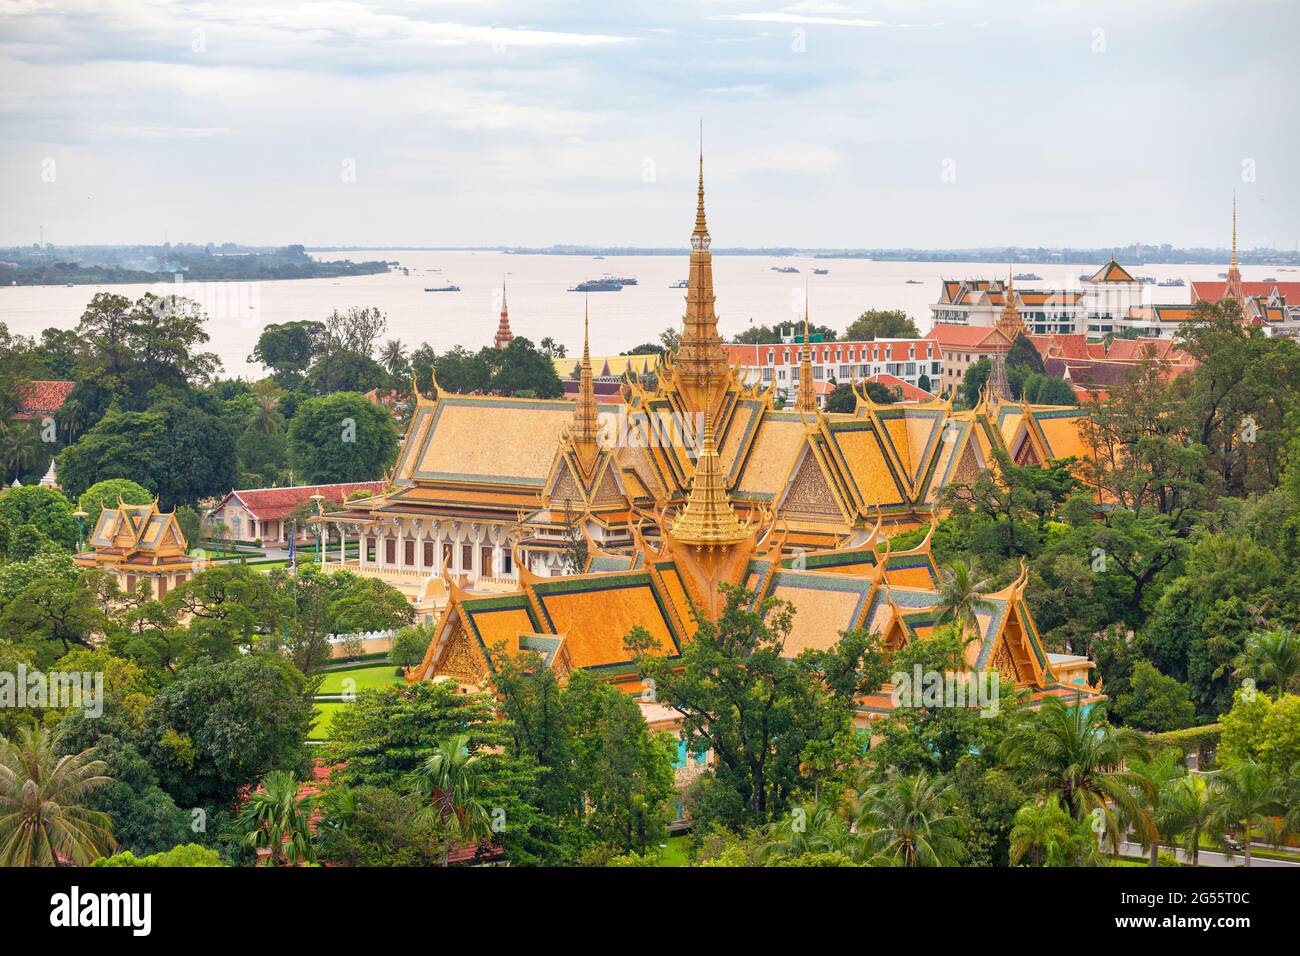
826	124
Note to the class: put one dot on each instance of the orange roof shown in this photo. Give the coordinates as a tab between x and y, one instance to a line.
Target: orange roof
968	337
1112	272
1074	346
43	397
272	503
1214	291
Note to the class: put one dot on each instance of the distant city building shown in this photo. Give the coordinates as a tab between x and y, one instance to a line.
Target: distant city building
835	363
1112	300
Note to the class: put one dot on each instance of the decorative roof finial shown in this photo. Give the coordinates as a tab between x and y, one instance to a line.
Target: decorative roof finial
708	520
586	427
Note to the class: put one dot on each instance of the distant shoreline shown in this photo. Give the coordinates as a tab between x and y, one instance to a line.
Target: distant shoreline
1015	255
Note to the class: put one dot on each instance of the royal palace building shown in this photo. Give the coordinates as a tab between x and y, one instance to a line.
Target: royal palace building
556	526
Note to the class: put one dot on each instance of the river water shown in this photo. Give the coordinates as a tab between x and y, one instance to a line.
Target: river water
540	305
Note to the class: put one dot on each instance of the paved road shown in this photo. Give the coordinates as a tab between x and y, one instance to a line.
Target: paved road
1211	858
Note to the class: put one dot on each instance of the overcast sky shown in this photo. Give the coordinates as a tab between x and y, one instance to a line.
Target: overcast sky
470	122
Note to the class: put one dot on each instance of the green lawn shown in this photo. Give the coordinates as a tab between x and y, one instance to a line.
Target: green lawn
324	714
674	854
366	678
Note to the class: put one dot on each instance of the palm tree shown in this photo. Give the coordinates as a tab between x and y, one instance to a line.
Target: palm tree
449	779
1185	814
266	418
1271	657
1241	794
811	828
1071	751
275	818
906	821
43	820
961	597
1159	773
1049	836
392	356
18	447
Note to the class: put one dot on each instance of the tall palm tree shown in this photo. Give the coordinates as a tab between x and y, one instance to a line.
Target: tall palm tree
1241	794
19	447
266	418
1185	813
1071	751
811	828
449	779
43	819
277	819
907	821
1271	657
961	597
1044	834
392	356
1159	773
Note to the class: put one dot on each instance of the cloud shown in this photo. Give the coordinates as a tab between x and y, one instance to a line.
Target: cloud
779	16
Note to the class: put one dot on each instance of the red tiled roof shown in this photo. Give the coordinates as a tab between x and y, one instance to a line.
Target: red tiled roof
44	397
1214	291
968	337
910	392
1073	346
271	503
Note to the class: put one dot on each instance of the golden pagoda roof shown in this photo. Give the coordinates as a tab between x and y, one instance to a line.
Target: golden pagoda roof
708	520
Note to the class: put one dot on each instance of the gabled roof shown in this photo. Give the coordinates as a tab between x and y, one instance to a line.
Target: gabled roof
974	337
1112	272
273	503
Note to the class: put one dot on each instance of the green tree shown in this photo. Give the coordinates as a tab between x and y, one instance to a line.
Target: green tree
449	779
1272	658
108	494
275	818
909	821
218	727
409	645
1046	835
341	437
1071	751
1186	812
44	508
1242	793
881	324
43	819
1155	701
764	725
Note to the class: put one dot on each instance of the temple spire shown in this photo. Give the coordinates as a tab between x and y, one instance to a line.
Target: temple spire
701	361
586	425
708	520
806	400
1009	321
504	336
1233	287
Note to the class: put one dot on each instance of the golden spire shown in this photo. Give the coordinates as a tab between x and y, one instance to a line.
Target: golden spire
586	427
504	336
1009	322
701	227
701	361
708	520
806	400
1232	289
